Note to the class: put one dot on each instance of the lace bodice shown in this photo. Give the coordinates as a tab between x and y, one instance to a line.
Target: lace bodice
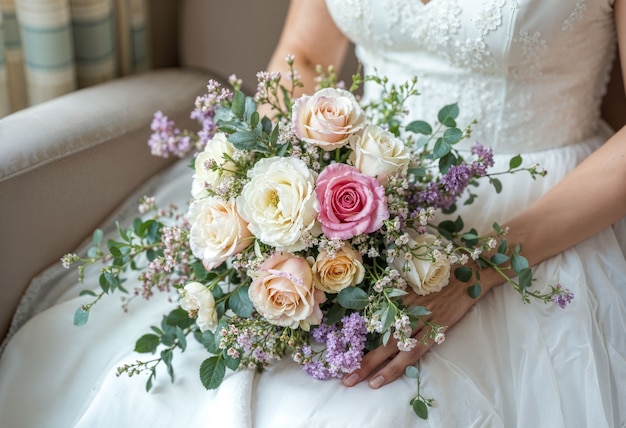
532	72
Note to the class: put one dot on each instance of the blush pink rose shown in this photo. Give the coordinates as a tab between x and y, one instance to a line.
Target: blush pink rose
284	293
351	203
327	118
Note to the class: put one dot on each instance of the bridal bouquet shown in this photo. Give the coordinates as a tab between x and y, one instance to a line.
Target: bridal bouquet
305	230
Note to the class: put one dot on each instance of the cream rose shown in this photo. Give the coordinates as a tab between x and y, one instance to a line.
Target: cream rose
334	273
214	153
217	231
378	153
283	292
199	302
327	118
279	202
424	272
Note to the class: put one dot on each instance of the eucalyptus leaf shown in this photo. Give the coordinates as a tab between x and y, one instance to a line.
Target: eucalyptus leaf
519	263
238	105
474	290
463	273
81	316
441	149
499	258
525	278
412	372
418	311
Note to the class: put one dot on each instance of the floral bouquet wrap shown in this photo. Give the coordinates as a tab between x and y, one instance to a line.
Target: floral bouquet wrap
306	229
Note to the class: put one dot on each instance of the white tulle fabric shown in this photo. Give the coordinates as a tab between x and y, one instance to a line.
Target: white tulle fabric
532	73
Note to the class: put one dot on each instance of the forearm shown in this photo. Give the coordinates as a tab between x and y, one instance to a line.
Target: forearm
589	199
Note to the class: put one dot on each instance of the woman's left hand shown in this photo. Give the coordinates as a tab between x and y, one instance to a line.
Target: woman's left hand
386	363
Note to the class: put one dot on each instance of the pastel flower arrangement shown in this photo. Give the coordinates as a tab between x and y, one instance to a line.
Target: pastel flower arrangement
306	230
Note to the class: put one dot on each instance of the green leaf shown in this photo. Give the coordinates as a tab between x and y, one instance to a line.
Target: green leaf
179	318
447	115
353	298
166	356
441	149
525	278
240	302
334	314
244	140
212	371
418	311
207	339
446	162
81	316
515	162
249	110
97	237
396	292
238	104
232	363
388	315
412	372
503	246
182	340
452	135
463	273
420	409
499	258
474	290
420	127
147	343
497	184
87	293
519	263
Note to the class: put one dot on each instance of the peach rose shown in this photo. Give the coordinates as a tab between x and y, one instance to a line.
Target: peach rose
283	292
327	118
334	273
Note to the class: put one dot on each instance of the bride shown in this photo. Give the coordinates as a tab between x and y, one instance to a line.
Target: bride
533	74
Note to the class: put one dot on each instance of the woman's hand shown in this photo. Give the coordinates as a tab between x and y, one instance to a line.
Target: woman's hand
386	363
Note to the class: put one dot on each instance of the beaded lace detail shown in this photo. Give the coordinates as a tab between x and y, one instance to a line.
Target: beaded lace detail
508	63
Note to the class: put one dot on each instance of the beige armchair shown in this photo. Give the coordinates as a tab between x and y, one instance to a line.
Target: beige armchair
67	164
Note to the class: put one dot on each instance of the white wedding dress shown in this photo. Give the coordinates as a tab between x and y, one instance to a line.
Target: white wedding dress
532	72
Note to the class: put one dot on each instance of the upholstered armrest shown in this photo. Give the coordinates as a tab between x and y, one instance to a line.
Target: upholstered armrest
66	164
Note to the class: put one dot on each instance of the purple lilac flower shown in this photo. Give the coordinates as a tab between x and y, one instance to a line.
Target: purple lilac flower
166	139
484	159
344	347
456	180
205	108
562	297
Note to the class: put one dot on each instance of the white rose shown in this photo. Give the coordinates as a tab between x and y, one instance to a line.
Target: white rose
199	302
424	272
214	153
279	202
217	231
344	269
378	153
327	118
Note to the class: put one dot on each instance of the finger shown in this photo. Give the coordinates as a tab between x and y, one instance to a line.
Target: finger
397	365
370	362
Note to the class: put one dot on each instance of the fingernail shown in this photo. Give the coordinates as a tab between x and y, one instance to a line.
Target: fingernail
351	379
377	382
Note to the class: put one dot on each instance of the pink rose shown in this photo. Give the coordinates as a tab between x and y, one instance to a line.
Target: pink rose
351	203
284	293
327	118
